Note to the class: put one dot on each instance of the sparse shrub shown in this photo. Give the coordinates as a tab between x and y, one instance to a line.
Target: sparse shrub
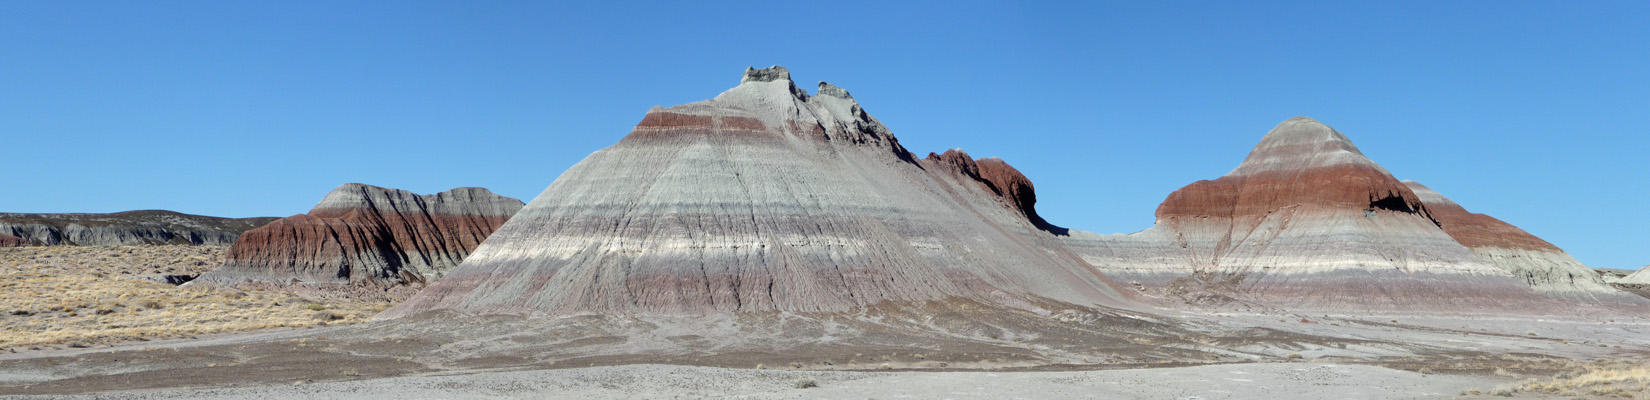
1293	356
1425	371
1503	372
315	307
806	383
151	304
327	316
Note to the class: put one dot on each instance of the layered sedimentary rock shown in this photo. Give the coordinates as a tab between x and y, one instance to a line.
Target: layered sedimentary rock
1305	222
368	234
1543	266
768	199
123	228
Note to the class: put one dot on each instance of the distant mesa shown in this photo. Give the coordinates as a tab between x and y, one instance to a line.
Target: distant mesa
144	227
768	199
363	234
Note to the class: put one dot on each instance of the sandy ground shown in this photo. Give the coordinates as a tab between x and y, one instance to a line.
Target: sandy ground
1337	358
930	350
60	297
1244	381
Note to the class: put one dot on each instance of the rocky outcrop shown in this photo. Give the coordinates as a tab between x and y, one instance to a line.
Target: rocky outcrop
123	228
1541	265
366	234
1011	187
767	199
1306	222
12	241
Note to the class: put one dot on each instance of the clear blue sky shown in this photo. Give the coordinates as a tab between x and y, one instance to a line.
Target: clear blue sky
1535	113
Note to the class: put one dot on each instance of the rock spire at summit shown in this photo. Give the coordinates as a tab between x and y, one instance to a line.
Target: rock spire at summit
769	74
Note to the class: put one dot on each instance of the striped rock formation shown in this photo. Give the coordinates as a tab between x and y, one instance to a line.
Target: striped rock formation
768	199
1543	266
368	234
141	227
1306	222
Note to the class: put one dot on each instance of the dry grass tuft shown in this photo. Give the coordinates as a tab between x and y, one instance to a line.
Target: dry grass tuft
63	296
1616	380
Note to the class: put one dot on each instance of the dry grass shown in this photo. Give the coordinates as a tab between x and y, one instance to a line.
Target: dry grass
69	296
1614	380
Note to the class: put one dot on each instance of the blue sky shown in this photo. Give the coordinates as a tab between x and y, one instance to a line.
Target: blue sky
1537	113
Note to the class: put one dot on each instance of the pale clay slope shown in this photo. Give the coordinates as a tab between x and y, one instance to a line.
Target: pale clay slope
816	209
1552	273
1642	277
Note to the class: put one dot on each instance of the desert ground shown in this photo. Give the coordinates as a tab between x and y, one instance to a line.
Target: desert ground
215	342
57	297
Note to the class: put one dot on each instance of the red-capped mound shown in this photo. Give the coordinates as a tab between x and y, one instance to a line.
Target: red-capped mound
1305	222
368	234
1300	162
12	241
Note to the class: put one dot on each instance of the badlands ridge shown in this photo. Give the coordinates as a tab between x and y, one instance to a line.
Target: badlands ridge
769	199
770	227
